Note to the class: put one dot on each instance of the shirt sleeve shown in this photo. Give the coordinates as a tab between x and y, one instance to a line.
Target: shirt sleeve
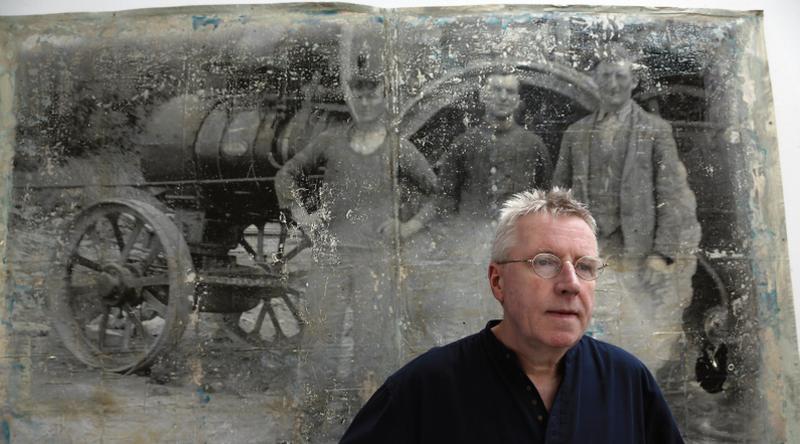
382	420
660	425
543	166
449	168
562	174
414	165
285	178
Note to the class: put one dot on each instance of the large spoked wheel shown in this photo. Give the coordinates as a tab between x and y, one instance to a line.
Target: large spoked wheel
122	285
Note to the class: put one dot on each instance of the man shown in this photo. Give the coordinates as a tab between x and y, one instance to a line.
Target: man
623	162
532	377
353	283
495	159
482	168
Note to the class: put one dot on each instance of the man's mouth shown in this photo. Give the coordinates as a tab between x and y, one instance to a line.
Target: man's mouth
562	313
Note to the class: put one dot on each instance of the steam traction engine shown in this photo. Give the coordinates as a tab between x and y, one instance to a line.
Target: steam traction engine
128	272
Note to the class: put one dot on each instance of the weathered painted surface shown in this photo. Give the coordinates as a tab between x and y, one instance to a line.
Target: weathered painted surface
189	114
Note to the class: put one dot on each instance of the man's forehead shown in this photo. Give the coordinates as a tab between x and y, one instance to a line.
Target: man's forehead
368	90
539	225
614	66
504	80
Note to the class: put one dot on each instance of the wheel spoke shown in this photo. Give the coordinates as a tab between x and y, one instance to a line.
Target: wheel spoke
274	318
136	320
157	280
137	229
265	307
96	242
290	305
154	247
157	305
101	330
86	262
114	219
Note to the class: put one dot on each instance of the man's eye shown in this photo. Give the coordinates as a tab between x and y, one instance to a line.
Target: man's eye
545	261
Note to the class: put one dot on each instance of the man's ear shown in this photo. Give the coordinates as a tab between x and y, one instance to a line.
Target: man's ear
496	282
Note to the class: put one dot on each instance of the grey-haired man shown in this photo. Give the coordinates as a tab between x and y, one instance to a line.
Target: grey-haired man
532	377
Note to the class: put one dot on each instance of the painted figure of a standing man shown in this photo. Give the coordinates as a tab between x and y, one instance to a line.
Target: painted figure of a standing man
354	277
495	159
481	169
624	163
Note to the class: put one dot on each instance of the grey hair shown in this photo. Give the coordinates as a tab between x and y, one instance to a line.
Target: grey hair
556	202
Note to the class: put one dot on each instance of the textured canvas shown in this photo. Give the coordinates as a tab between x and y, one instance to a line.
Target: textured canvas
231	224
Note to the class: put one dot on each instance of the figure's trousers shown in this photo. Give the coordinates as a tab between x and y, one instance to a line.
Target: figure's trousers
349	345
644	319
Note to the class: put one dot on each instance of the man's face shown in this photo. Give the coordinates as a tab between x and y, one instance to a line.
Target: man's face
549	313
368	104
500	95
615	82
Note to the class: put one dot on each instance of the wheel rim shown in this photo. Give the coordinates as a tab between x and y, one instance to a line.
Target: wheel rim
121	287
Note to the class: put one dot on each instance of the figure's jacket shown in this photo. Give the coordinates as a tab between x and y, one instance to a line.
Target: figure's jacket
657	207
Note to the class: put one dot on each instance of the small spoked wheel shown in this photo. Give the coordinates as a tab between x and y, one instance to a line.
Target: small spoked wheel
122	285
275	323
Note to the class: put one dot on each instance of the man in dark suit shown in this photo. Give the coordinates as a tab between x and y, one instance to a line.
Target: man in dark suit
623	162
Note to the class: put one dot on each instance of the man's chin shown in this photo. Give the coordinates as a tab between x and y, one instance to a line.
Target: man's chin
564	339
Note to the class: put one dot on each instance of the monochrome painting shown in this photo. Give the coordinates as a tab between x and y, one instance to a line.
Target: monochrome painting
232	224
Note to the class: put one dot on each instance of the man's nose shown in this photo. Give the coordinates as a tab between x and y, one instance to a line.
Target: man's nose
568	283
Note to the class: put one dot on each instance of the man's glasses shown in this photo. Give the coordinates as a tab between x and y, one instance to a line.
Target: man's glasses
548	266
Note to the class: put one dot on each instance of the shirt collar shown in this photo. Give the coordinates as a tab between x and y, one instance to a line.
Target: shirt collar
499	127
620	114
504	354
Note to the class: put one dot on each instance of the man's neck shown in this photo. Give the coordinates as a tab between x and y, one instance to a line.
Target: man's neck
541	364
608	108
500	124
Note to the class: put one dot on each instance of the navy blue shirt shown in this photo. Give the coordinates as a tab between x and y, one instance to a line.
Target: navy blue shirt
474	391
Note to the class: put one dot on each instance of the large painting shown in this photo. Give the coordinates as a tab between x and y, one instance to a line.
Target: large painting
231	224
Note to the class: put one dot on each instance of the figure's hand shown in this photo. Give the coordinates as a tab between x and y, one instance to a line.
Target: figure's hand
656	274
406	229
410	228
303	218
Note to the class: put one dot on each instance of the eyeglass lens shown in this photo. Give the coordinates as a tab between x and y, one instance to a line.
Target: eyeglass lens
548	266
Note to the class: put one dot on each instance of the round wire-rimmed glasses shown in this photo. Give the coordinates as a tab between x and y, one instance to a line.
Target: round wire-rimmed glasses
548	266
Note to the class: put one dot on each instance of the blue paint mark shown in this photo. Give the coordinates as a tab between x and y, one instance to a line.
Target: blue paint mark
324	12
5	429
378	19
523	18
770	299
205	398
10	301
445	21
493	20
201	20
